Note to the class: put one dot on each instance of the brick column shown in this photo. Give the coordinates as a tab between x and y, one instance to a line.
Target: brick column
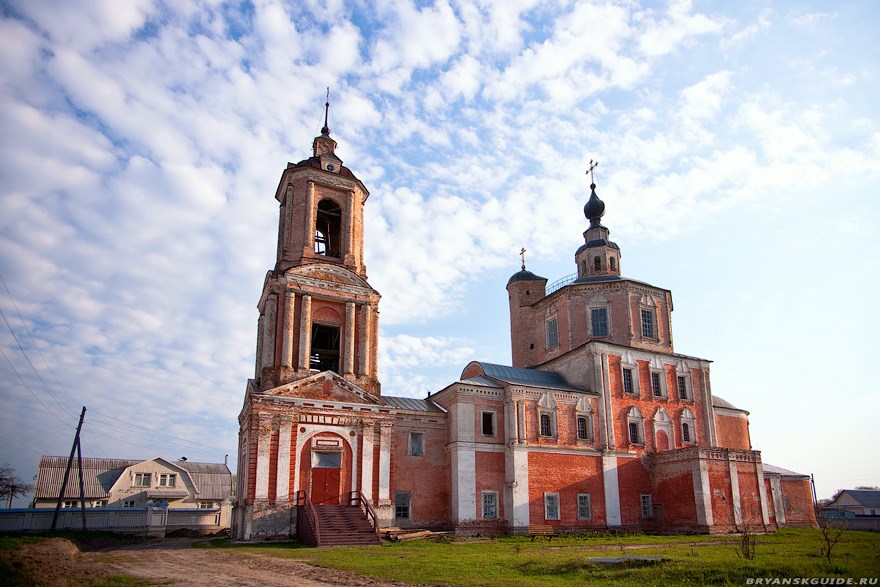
287	341
364	347
268	345
367	462
384	463
305	332
735	497
282	485
264	441
309	241
348	359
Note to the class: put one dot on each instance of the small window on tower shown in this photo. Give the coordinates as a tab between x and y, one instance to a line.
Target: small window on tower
613	264
328	223
597	264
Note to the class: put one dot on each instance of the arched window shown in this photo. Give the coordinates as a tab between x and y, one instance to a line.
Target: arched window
597	263
584	419
583	267
635	425
613	264
662	430
547	415
328	224
688	431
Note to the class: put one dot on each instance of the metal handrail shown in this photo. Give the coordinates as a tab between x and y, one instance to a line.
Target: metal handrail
560	283
357	498
311	516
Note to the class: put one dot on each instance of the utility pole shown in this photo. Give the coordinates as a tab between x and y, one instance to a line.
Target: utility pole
73	449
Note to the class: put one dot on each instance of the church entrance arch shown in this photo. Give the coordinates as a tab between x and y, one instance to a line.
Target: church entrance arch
326	467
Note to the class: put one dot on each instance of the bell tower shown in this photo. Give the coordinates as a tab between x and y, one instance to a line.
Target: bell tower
317	310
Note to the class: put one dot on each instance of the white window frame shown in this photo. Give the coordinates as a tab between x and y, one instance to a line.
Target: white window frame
551	416
129	503
70	504
549	498
591	324
589	426
647	506
494	423
142	479
584	506
206	505
661	380
485	512
416	449
551	333
167	479
100	503
634	416
687	417
634	371
683	378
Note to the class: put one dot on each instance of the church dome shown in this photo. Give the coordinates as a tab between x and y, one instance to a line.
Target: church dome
525	276
594	208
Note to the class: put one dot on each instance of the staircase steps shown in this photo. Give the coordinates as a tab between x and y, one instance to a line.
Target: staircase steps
344	525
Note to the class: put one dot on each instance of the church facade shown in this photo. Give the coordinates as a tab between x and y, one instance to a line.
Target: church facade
597	423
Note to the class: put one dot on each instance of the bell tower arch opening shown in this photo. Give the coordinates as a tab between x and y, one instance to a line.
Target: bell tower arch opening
328	226
325	348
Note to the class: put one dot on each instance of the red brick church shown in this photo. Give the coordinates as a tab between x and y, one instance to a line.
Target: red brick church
598	423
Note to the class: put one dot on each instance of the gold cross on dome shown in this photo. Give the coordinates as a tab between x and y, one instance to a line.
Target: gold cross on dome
522	253
593	165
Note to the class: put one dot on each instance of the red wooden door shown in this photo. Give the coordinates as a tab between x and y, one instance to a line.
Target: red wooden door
325	486
326	477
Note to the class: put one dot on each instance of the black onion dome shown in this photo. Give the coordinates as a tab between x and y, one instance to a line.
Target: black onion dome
525	276
594	208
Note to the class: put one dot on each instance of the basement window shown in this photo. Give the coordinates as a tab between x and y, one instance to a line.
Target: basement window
328	224
325	348
401	505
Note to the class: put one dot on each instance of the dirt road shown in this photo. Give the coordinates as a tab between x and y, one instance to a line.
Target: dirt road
174	561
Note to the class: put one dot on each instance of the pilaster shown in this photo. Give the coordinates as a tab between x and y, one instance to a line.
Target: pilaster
264	442
282	485
612	490
349	339
305	332
287	341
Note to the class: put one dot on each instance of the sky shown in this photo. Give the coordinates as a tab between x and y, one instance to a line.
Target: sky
141	144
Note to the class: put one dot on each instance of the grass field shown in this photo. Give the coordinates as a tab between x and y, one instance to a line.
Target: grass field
516	561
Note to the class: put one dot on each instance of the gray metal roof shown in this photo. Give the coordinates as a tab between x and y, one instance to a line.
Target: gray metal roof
868	498
718	402
411	403
532	377
213	480
772	470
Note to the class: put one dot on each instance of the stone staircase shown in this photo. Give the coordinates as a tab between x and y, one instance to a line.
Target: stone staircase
344	525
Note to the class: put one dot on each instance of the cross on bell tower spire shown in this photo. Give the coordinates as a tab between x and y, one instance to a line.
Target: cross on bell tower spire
325	130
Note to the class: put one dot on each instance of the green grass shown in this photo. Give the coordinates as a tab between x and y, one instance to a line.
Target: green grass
516	561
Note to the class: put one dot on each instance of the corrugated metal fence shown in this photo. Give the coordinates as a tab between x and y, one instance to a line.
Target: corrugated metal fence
142	521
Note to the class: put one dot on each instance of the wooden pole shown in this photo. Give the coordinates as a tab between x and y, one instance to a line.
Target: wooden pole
82	492
67	470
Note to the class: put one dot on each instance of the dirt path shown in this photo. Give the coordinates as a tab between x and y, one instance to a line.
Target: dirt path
173	561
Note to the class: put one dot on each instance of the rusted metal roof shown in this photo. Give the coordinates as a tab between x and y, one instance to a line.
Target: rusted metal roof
99	475
411	403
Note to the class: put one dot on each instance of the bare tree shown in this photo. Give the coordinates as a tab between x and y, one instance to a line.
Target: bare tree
11	486
830	533
748	538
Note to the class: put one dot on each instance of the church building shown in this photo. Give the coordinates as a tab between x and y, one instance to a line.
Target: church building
597	423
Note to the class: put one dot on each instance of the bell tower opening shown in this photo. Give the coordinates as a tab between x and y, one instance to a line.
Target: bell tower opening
328	225
325	348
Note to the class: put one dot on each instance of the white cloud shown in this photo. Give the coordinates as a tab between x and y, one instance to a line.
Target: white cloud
677	28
